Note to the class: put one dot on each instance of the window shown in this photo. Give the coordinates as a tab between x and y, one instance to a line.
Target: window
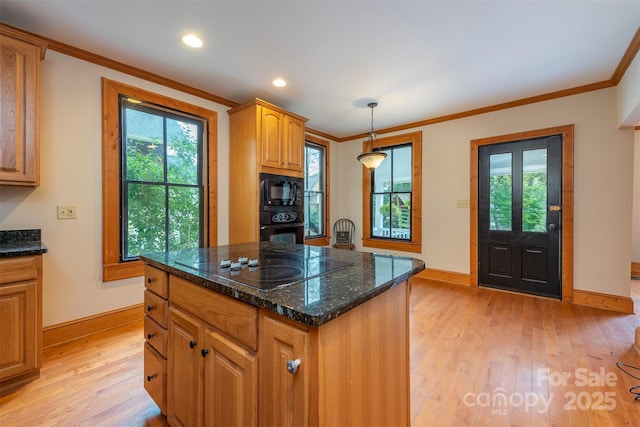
159	177
162	185
392	196
316	191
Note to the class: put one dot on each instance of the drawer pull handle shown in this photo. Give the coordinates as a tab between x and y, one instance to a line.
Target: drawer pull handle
204	352
149	307
150	377
149	336
192	344
150	280
292	366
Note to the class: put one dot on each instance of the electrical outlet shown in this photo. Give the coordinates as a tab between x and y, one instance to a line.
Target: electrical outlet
67	212
462	203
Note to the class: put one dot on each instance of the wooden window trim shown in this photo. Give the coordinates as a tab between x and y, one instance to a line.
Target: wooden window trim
326	239
112	267
415	245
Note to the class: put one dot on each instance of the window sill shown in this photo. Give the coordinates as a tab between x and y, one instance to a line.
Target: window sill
392	245
317	241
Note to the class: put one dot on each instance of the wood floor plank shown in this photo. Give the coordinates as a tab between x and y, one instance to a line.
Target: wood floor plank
470	347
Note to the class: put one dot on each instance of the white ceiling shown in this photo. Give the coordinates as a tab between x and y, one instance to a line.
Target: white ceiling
417	59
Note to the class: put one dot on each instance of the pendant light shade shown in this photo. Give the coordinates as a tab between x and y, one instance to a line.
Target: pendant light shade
372	159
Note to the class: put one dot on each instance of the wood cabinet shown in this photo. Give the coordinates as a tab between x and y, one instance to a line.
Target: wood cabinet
281	141
20	56
230	363
284	387
263	139
20	321
212	376
156	308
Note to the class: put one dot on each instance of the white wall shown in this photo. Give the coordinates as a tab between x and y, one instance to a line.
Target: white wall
603	185
71	173
629	95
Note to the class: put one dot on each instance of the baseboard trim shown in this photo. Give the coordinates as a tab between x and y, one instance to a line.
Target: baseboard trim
445	276
79	328
606	301
635	270
580	297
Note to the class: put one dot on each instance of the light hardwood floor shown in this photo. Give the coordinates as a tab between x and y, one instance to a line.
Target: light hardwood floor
468	346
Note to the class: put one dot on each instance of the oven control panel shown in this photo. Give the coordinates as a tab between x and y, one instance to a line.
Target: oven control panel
284	217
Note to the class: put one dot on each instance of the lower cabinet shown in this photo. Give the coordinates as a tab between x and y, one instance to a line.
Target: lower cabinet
285	372
211	379
20	321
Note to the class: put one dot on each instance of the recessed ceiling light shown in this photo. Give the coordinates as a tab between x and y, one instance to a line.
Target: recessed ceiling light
192	40
279	83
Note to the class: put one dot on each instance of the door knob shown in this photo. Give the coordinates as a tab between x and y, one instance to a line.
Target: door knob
553	227
292	366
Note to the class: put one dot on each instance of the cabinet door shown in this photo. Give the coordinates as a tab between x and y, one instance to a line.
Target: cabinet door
184	370
294	147
271	138
18	329
18	100
230	383
284	396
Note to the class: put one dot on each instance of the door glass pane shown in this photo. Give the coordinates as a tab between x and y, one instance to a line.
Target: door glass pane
500	193
534	190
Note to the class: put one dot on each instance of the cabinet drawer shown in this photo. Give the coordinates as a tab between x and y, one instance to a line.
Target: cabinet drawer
156	336
157	281
19	269
236	319
156	308
155	377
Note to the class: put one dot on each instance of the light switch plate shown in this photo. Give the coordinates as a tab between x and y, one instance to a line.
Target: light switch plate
462	203
67	212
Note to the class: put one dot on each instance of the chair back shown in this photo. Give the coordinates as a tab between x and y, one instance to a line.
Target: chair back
344	231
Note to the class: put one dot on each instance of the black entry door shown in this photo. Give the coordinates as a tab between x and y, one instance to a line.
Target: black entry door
520	215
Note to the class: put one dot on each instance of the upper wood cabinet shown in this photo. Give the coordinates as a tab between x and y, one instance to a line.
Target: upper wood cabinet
20	56
267	138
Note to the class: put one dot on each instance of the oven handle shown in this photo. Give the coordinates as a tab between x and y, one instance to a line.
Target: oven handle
287	225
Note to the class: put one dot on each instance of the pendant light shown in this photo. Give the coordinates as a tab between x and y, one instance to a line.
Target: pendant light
374	157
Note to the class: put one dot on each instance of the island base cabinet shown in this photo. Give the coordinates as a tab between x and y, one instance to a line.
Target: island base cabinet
212	381
184	370
286	368
353	370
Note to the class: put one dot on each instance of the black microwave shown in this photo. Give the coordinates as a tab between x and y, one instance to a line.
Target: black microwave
280	190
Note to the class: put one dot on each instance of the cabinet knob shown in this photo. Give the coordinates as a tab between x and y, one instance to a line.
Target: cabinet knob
150	377
149	336
204	352
192	344
292	366
149	280
149	307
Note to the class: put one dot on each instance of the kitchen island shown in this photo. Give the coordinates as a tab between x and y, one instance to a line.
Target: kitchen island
278	334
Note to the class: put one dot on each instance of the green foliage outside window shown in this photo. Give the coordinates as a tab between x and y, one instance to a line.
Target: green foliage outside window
162	213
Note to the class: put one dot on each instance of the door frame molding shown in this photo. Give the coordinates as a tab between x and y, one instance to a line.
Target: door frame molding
566	253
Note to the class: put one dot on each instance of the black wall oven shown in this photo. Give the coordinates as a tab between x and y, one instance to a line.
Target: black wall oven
281	208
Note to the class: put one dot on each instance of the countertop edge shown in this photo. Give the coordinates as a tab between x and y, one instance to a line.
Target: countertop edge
289	312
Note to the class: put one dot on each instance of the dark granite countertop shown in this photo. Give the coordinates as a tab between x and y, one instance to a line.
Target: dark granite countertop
313	301
20	243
